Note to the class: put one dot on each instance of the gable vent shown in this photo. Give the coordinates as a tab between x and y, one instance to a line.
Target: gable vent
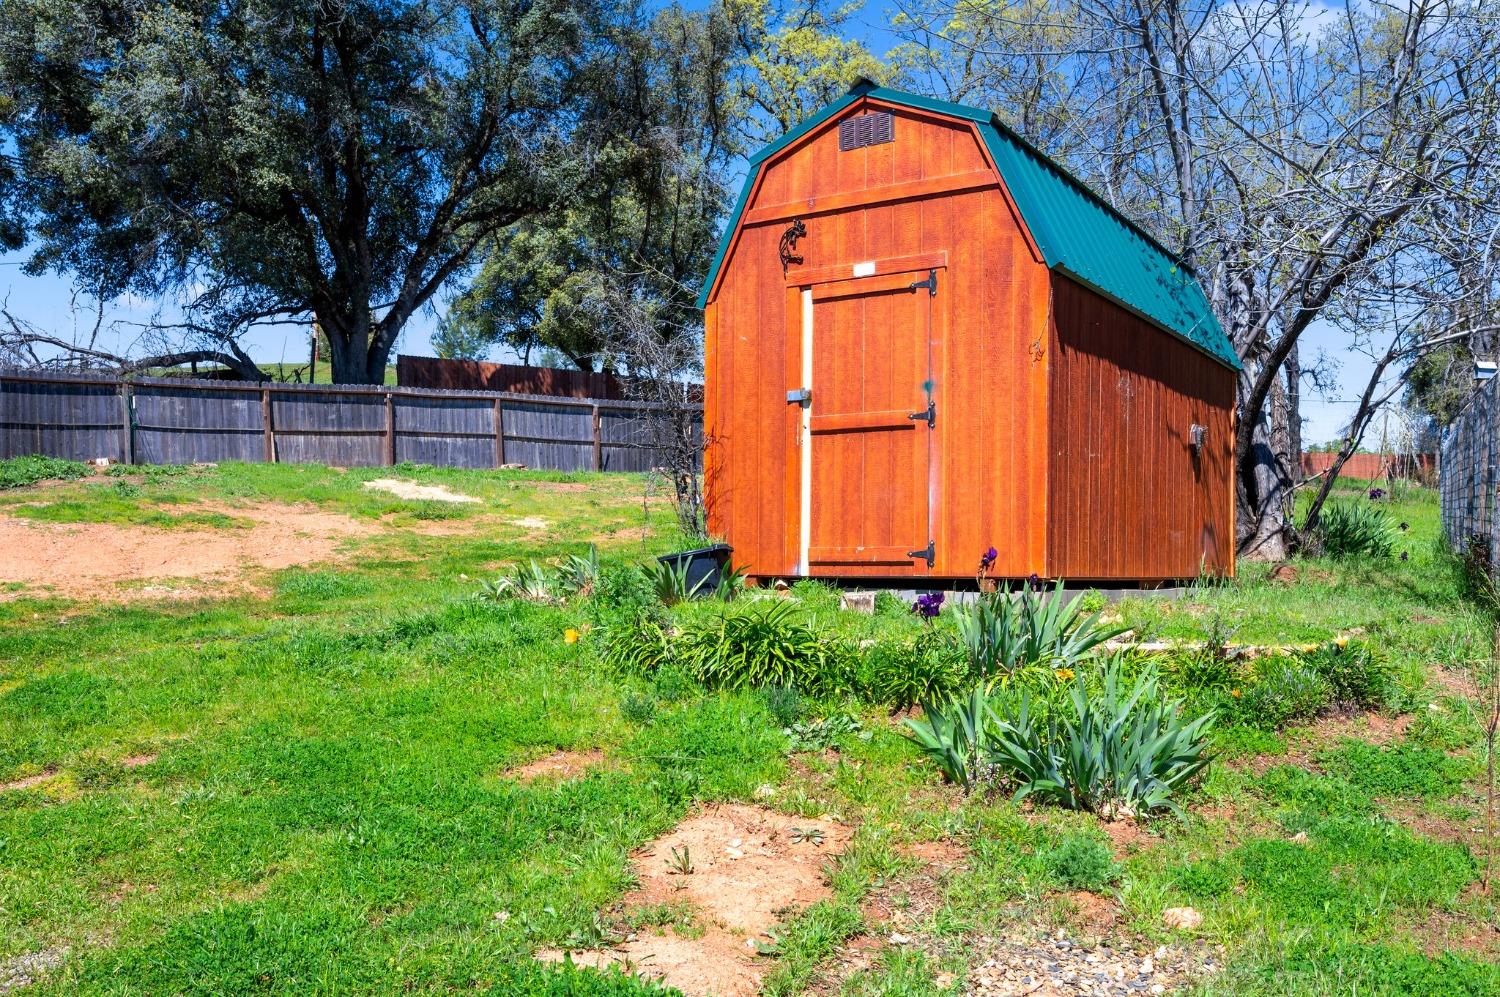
875	128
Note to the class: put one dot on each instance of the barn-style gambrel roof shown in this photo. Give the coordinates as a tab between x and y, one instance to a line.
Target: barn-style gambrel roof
1076	230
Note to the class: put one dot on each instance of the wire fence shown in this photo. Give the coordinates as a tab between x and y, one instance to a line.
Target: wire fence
1467	476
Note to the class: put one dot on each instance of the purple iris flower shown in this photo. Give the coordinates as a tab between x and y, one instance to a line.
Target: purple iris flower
928	605
988	558
1403	555
1377	493
1405	527
1035	582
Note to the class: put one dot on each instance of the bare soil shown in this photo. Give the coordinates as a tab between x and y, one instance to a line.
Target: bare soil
419	493
92	560
748	874
559	766
26	782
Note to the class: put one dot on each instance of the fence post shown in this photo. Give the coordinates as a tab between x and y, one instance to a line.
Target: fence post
499	435
127	434
390	429
598	442
265	421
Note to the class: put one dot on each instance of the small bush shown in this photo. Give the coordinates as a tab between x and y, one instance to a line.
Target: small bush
18	472
958	735
784	704
1082	862
623	591
1284	690
901	673
1003	633
767	644
1355	529
1354	674
638	708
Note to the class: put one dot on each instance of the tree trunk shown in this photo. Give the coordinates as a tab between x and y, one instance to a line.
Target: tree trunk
1263	490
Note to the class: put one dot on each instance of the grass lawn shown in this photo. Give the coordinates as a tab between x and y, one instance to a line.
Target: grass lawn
301	784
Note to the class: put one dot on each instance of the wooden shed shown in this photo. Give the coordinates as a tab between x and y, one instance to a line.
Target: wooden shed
924	338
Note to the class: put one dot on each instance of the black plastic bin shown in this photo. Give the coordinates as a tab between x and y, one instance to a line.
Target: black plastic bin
705	567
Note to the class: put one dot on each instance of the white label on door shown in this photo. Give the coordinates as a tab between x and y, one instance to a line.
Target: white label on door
866	269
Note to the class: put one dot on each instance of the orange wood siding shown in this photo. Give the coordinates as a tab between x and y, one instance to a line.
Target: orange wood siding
1127	498
915	200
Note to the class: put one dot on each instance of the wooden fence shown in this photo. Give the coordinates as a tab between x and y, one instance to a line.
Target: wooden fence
1418	467
179	421
1467	475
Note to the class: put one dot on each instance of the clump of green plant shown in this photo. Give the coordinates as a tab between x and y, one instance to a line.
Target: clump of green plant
906	671
1118	752
1003	632
958	736
1283	690
767	643
819	735
18	472
639	646
529	581
670	582
578	575
637	707
784	704
1355	529
1082	862
1354	673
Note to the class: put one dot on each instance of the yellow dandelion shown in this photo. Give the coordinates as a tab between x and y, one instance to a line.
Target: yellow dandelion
1235	693
1341	643
570	636
1308	648
1063	673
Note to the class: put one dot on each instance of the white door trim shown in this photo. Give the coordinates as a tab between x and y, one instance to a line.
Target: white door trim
805	437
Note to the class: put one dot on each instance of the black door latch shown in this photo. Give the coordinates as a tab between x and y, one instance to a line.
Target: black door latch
930	283
929	554
927	415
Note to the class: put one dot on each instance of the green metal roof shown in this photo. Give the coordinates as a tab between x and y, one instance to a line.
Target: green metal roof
1076	230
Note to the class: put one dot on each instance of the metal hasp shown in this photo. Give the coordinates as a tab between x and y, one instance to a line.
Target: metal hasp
927	415
930	283
929	554
799	396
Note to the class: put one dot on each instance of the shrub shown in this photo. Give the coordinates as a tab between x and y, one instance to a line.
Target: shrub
1354	674
1116	753
579	574
18	472
900	673
669	581
766	644
1284	690
621	591
1004	632
639	708
529	581
1355	529
1082	862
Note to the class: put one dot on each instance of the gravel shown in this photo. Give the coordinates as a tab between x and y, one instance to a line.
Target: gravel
1053	967
24	970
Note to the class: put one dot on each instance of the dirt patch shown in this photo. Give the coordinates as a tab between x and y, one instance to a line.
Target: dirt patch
623	535
1454	682
26	782
1091	914
415	492
1456	931
136	761
559	486
90	560
1128	836
559	766
741	869
530	523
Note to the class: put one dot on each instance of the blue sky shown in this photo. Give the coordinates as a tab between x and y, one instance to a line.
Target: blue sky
47	302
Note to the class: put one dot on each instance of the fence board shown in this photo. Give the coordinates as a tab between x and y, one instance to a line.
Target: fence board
71	421
177	420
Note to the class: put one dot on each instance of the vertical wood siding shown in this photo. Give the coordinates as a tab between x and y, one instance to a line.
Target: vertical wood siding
1128	500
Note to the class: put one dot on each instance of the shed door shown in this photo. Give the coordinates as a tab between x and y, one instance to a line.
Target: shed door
867	432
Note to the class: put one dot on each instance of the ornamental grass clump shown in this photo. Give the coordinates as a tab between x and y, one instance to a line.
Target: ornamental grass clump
1004	632
1116	752
766	643
1355	529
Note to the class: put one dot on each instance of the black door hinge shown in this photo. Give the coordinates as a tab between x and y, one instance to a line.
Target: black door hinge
930	283
927	415
929	555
